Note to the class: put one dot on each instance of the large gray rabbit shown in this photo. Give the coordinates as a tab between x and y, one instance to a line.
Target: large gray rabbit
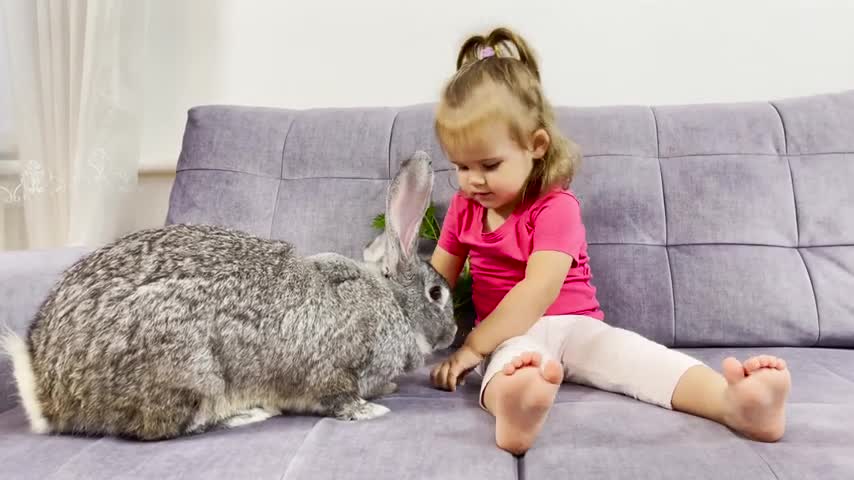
177	330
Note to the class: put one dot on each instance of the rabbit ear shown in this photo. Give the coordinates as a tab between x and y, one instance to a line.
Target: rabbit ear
408	199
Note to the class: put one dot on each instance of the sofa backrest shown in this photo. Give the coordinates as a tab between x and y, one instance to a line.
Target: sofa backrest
708	225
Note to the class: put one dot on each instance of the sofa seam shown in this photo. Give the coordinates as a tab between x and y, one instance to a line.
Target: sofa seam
664	212
761	457
794	204
621	402
783	126
801	255
791	175
73	457
829	372
229	170
721	244
722	154
797	221
281	176
814	297
297	451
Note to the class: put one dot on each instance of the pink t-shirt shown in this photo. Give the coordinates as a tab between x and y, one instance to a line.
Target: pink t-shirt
498	258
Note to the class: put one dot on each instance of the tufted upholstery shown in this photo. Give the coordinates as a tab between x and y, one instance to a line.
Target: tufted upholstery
709	225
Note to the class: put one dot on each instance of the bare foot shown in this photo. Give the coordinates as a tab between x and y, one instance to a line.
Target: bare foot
756	396
520	398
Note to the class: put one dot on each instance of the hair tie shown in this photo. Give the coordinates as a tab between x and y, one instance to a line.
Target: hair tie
485	52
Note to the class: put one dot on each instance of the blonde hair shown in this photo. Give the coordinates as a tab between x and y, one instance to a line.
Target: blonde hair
498	78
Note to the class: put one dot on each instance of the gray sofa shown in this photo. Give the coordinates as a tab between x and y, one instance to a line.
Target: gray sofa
718	229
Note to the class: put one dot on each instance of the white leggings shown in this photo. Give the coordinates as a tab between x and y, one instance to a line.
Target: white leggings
593	353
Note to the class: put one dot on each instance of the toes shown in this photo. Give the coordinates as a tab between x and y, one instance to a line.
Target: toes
777	363
552	372
752	364
764	361
733	370
526	359
530	358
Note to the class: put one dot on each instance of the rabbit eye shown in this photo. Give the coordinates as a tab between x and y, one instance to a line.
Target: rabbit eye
435	293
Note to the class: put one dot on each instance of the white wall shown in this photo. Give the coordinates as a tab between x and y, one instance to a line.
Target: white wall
5	97
383	52
323	53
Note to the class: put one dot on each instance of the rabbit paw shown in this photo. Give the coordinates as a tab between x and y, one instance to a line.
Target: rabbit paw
361	410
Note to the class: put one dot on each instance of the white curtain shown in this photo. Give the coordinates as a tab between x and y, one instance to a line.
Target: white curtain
76	78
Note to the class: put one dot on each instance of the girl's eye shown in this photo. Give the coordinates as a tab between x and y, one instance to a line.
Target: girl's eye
462	168
492	166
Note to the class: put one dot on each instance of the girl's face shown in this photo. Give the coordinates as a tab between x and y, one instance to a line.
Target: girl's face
493	169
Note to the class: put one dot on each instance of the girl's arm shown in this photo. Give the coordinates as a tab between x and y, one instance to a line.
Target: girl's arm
448	265
524	304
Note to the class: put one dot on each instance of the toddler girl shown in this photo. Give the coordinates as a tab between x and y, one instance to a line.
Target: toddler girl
538	320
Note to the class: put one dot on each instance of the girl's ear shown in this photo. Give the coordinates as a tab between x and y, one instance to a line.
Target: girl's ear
540	141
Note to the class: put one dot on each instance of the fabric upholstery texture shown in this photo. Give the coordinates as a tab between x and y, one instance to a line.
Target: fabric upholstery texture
720	229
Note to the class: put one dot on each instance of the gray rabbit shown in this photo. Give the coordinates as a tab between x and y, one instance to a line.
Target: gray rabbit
177	330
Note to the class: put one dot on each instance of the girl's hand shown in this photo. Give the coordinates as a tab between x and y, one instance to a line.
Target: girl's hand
448	374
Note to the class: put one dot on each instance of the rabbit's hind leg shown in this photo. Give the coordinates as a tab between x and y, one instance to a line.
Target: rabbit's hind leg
363	410
246	417
342	399
352	407
380	390
388	389
228	414
237	419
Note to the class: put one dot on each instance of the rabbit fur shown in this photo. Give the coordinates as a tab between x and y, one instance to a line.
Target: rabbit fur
180	329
